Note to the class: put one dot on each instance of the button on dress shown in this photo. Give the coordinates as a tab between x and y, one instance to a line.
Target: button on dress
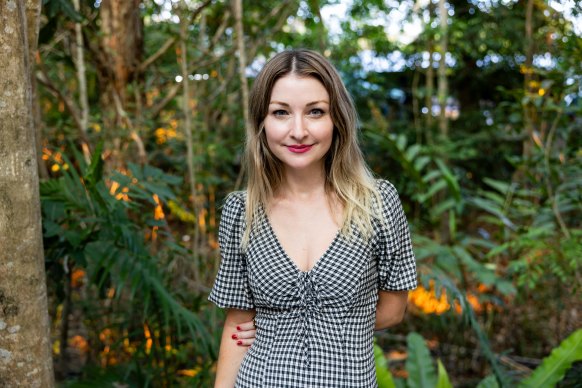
314	328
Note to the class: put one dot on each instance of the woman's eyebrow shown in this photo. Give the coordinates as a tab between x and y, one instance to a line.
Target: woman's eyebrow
308	104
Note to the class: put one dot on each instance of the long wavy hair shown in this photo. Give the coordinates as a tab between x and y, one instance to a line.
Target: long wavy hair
347	175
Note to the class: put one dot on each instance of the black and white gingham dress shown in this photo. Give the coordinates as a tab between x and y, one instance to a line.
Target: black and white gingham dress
315	328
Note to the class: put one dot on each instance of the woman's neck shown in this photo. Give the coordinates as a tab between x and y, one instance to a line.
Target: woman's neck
302	184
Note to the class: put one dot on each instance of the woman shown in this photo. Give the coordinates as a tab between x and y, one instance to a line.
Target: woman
316	252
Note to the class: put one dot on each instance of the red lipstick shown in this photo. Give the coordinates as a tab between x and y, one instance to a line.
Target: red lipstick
299	148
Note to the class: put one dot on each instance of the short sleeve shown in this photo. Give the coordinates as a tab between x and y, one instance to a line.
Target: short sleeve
396	262
231	288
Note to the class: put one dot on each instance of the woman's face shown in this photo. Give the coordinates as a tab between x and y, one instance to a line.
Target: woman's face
298	125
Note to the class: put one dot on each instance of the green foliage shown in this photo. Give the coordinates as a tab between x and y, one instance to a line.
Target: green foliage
554	367
443	378
488	382
483	211
421	371
538	248
88	226
419	366
468	314
383	375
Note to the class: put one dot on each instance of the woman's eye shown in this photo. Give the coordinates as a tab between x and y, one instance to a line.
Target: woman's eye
280	112
316	112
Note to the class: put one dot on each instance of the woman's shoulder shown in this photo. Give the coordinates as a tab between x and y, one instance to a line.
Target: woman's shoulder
234	202
236	196
386	190
389	197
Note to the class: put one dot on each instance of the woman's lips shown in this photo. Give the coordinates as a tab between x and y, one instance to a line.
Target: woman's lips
299	148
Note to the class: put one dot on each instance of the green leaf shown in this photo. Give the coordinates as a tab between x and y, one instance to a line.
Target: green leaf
450	178
488	382
438	186
412	151
383	375
500	186
555	366
51	228
421	162
433	174
70	11
400	383
421	371
443	379
401	142
488	207
442	207
94	173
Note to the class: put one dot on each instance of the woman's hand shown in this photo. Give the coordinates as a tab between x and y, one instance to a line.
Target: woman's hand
245	334
231	355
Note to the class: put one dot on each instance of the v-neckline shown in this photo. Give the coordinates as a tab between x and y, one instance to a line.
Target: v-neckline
288	257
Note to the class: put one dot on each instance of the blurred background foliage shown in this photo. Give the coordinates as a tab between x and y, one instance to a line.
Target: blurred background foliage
471	108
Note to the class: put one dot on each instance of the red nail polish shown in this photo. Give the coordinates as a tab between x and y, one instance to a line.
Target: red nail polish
238	328
239	342
234	336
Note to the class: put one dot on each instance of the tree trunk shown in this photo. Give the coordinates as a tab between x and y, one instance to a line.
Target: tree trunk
242	65
527	79
442	79
187	112
32	12
322	31
242	59
81	73
429	79
122	30
25	348
443	90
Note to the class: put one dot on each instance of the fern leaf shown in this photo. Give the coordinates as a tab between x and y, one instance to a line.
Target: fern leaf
555	366
421	371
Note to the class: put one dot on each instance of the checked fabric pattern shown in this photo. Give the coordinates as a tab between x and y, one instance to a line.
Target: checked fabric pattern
315	328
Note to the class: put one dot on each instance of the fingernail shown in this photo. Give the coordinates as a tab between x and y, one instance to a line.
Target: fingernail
234	336
239	342
238	328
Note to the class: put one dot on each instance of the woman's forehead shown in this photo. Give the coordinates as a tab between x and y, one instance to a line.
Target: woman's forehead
292	87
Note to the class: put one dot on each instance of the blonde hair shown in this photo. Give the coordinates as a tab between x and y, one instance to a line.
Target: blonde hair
347	175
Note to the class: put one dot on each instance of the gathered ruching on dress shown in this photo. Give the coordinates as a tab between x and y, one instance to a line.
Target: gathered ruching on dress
314	328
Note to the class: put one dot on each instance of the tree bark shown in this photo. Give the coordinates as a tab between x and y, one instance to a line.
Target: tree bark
242	59
119	58
443	90
442	73
33	20
122	30
429	86
189	140
527	79
25	349
237	9
81	76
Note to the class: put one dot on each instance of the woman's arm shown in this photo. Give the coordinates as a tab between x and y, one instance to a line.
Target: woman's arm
390	308
231	354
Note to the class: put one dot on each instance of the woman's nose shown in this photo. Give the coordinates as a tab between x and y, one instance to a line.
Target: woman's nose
299	130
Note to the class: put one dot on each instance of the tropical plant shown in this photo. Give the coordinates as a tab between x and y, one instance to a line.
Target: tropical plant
553	368
97	231
419	367
421	371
